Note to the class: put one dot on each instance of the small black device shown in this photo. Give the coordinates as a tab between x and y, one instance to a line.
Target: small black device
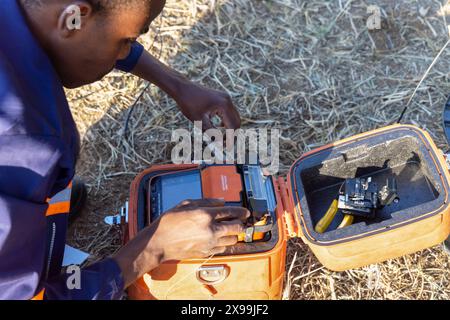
362	197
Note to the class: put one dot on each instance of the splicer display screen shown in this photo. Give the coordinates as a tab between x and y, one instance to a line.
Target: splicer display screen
179	187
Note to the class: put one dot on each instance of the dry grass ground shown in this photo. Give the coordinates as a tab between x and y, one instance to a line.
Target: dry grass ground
309	68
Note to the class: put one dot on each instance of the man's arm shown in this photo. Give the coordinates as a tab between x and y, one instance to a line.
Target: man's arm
197	102
193	229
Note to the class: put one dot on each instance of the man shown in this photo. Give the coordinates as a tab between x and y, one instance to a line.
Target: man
43	47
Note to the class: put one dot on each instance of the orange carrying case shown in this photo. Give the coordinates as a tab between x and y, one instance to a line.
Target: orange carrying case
419	220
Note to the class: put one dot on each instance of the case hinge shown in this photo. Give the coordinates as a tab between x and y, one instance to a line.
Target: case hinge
447	158
119	219
288	216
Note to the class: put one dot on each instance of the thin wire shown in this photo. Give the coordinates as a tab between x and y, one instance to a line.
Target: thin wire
132	107
130	111
187	275
421	81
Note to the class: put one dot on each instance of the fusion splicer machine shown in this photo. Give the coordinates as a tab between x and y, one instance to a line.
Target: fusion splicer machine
362	197
237	185
359	197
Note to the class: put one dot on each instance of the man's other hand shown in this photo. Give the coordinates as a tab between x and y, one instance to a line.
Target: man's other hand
193	229
199	103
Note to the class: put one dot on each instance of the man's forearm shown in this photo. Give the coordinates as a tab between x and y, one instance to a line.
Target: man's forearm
142	254
154	71
195	101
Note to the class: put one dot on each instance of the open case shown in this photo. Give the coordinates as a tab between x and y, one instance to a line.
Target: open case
420	219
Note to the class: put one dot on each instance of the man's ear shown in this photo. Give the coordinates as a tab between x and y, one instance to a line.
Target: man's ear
74	17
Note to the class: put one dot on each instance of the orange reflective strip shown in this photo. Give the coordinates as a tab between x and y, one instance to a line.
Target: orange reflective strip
39	296
58	208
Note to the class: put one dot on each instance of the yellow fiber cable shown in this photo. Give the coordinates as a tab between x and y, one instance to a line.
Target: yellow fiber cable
325	222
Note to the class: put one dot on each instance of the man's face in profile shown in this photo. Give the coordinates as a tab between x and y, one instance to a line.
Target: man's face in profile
82	56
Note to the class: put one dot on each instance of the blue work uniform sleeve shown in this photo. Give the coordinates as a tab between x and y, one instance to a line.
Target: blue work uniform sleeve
23	177
100	281
128	64
30	167
22	243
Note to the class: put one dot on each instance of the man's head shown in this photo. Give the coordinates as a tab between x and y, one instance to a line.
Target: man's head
85	38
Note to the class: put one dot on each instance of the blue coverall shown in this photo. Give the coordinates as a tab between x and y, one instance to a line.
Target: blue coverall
39	144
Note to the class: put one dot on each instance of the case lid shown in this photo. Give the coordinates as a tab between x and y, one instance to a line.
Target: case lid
298	200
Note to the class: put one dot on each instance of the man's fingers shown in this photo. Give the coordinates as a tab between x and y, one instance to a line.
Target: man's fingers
230	117
228	228
227	241
217	250
211	202
230	213
206	122
205	203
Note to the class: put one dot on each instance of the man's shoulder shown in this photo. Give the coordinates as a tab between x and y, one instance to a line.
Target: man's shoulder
25	109
11	102
20	132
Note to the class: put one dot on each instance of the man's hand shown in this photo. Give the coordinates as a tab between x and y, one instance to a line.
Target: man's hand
201	104
195	101
198	229
193	229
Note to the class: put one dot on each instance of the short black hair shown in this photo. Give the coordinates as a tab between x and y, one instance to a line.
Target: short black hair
101	5
97	5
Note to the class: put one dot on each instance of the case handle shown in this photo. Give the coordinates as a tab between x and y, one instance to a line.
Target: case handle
210	275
